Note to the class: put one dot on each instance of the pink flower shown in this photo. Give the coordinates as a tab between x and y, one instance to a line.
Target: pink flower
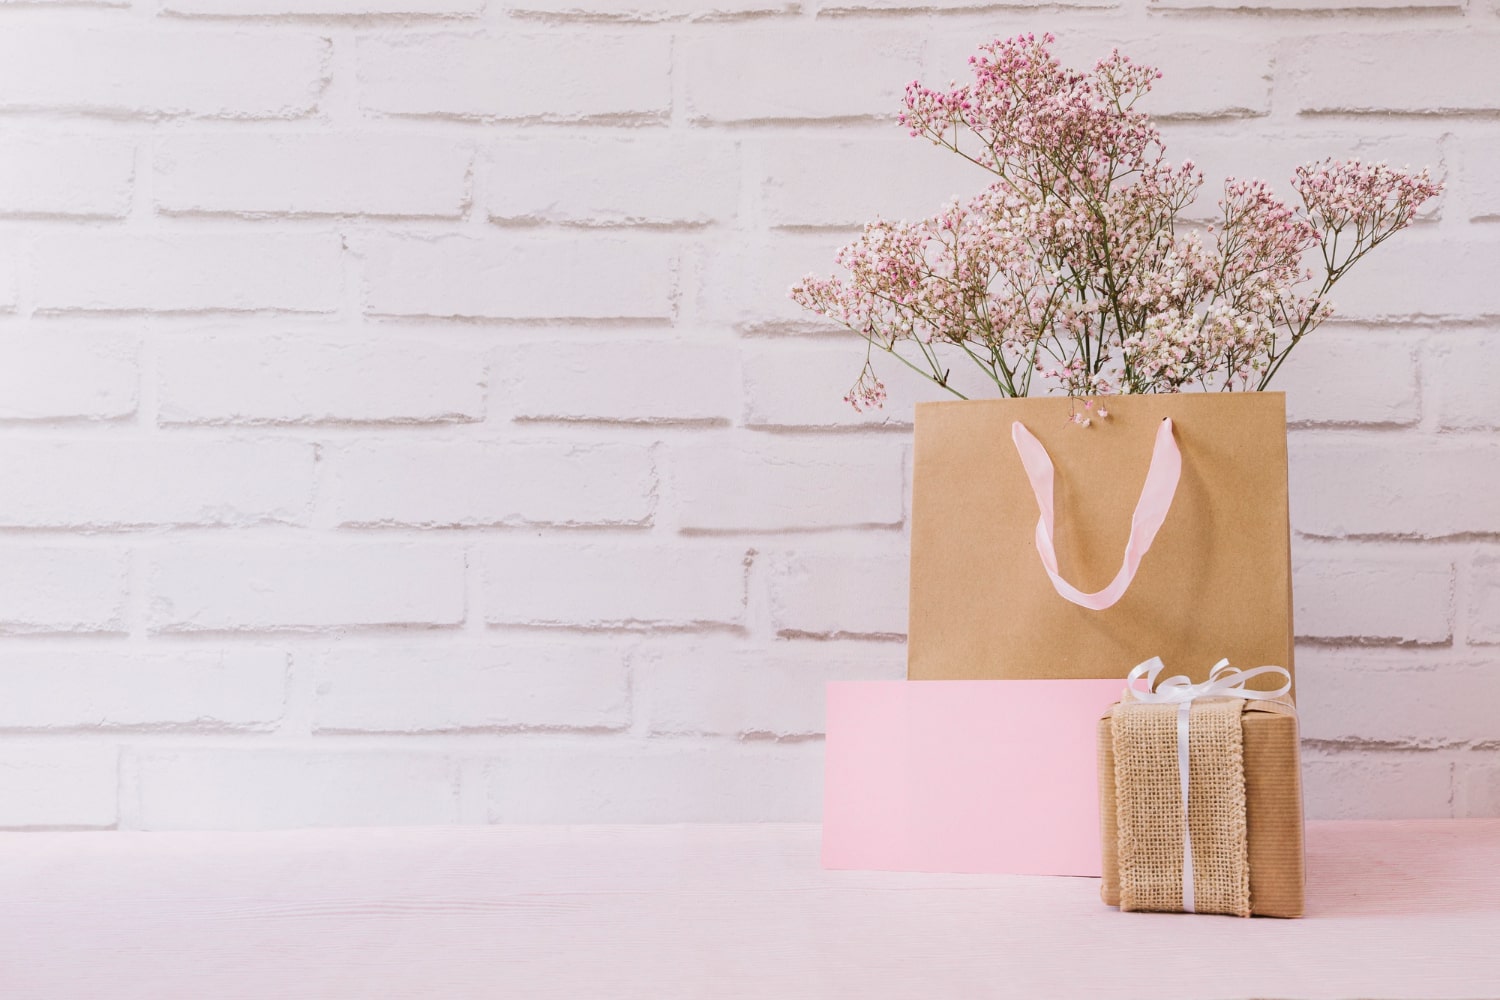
1070	272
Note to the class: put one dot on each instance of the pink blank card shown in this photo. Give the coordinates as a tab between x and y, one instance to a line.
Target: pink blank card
964	776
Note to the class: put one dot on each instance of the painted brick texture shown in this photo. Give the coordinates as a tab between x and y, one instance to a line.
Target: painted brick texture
404	420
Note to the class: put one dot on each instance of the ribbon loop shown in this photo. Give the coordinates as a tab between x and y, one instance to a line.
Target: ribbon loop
1223	681
1150	511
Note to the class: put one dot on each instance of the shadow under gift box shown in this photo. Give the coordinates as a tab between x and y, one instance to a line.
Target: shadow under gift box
1273	810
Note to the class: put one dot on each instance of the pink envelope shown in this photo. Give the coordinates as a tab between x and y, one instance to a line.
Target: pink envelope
964	776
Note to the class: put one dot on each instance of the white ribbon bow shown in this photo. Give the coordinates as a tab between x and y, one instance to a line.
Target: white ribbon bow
1223	681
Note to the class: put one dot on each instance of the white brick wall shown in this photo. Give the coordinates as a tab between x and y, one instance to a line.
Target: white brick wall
403	420
57	372
565	73
288	583
613	180
119	68
66	175
519	276
47	587
88	270
315	174
69	686
414	687
310	376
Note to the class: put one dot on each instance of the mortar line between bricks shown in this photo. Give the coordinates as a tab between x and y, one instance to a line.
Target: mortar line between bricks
1463	601
299	698
1088	12
314	220
1397	541
415	741
473	791
760	616
140	215
604	21
476	200
137	595
1414	17
325	21
92	534
1331	116
474	610
148	389
127	790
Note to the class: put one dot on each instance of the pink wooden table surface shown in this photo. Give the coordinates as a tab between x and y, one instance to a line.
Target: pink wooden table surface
1398	909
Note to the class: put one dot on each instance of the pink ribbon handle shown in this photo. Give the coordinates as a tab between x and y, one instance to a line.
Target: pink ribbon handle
1150	511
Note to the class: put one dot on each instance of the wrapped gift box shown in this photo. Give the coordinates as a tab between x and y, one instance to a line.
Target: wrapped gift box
1272	808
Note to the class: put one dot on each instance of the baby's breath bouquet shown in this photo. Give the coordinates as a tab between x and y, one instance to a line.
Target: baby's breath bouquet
1073	270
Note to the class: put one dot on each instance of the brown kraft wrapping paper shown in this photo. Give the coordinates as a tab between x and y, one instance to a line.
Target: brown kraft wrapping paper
1273	810
1215	583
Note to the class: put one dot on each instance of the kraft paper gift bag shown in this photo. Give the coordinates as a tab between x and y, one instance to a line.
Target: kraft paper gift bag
1041	548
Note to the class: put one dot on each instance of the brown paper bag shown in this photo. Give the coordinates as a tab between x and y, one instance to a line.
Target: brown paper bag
1212	580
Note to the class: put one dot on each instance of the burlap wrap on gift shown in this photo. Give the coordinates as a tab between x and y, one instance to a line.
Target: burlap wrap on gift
1149	807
